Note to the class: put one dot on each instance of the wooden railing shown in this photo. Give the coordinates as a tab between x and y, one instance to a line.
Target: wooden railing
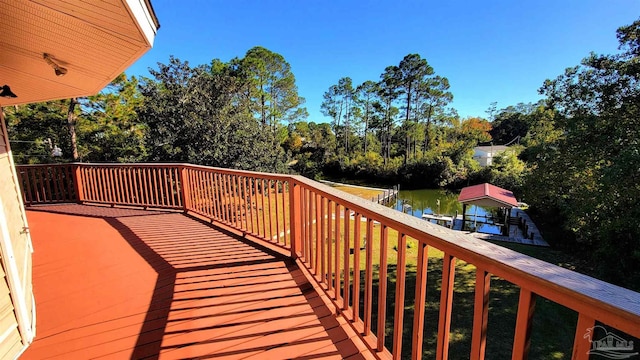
48	183
357	251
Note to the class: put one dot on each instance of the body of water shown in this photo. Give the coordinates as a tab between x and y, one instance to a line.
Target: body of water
425	201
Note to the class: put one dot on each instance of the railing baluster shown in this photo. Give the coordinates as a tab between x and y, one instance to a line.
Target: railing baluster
47	181
287	213
253	195
277	192
126	191
217	190
318	240
204	190
41	179
102	179
121	188
347	244
446	304
337	251
330	238
69	183
264	210
153	187
310	238
55	184
305	225
204	202
25	181
419	302
114	184
153	175
212	183
169	181
245	205
77	177
522	336
357	225
145	193
174	190
59	179
382	288
269	182
368	279
480	314
114	187
582	345
186	192
234	199
86	175
399	300
241	204
323	241
257	213
160	186
209	191
197	191
252	227
55	179
296	224
118	193
233	215
167	173
130	177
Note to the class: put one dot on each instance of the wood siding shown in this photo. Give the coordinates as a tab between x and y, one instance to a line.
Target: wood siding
14	227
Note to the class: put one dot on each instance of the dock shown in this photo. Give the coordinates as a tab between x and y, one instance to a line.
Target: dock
389	196
522	229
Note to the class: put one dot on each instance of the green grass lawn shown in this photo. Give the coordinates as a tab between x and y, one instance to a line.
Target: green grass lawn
553	325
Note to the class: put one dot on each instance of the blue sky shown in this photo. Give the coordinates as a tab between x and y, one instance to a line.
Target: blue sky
490	50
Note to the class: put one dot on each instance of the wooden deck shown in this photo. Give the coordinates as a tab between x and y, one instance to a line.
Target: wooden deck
131	284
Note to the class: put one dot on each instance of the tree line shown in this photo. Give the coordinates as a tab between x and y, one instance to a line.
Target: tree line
574	155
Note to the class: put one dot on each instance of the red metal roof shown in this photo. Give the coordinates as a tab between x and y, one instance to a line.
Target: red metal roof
487	194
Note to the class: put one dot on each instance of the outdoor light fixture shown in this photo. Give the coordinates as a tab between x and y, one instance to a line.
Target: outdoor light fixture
60	71
5	91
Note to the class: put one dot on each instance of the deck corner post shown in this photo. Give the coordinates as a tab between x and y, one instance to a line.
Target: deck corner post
77	182
295	220
184	188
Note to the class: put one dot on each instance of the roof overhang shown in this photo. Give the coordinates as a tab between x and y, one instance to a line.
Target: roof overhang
94	40
487	195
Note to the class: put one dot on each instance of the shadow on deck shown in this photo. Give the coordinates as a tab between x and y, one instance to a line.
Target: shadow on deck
127	283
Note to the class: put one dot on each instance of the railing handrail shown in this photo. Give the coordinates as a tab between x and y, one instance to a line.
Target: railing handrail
586	294
605	302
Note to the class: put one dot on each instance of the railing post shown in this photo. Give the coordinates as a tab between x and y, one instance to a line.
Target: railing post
78	183
184	189
295	218
582	341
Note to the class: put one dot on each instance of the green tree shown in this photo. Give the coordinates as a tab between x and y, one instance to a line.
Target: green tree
590	177
366	95
434	96
116	135
35	129
198	115
271	87
338	103
412	75
388	91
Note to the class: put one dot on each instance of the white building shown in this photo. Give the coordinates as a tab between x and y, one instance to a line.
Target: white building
485	154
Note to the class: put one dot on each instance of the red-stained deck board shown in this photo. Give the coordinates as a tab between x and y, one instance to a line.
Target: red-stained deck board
116	283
